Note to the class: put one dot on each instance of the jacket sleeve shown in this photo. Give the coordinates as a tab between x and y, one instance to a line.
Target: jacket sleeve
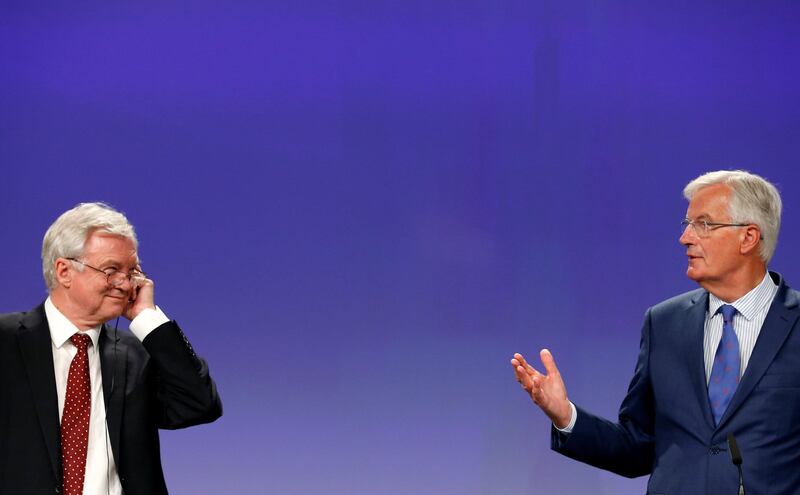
184	391
627	446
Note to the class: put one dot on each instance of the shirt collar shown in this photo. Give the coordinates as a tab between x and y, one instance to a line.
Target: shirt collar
750	304
61	329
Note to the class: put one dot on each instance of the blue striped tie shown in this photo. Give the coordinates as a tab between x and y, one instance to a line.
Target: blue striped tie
725	372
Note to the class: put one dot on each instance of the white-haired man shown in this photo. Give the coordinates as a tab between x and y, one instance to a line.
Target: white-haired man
720	360
80	403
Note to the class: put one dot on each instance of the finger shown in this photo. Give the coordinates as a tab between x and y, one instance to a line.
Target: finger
522	375
525	380
524	363
521	358
146	287
536	391
549	362
527	371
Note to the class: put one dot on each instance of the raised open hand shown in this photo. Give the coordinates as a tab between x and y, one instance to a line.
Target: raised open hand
547	390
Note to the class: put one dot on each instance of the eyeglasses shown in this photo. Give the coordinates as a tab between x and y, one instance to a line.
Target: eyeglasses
703	228
116	278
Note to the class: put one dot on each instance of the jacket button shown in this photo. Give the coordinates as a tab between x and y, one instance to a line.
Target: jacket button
714	450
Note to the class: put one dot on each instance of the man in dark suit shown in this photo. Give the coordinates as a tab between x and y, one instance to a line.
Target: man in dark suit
81	403
721	359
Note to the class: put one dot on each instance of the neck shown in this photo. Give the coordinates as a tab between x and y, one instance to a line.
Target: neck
736	285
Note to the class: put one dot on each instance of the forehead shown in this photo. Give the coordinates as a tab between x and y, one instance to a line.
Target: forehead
710	202
101	247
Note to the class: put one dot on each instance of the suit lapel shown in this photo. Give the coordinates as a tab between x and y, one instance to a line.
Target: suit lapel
777	325
113	359
36	348
693	328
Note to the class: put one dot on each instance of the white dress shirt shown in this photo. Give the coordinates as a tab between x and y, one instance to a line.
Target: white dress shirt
751	311
101	470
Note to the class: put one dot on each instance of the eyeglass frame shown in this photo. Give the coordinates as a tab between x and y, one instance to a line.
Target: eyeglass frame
130	276
709	227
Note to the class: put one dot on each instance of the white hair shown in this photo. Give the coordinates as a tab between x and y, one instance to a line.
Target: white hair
66	237
753	200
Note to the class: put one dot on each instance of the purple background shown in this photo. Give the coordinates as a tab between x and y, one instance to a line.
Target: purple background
359	210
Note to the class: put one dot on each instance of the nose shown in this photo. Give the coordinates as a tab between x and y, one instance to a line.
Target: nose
124	284
689	236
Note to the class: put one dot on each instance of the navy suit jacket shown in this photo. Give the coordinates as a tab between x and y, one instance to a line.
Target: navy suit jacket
157	383
665	426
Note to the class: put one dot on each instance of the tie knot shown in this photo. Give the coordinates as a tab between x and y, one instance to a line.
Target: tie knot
81	341
727	312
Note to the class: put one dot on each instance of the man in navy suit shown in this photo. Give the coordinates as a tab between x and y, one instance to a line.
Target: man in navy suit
80	403
717	360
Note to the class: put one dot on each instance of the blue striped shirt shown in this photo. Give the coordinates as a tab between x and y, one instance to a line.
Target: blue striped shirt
751	311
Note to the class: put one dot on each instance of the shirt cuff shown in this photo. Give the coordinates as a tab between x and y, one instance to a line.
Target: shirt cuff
568	429
147	321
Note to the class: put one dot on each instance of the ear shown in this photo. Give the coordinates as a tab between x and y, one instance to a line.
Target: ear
63	271
750	239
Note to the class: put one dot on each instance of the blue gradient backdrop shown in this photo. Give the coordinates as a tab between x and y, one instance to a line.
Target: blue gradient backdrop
359	210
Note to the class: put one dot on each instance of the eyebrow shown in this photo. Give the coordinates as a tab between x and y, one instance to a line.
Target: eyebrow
115	264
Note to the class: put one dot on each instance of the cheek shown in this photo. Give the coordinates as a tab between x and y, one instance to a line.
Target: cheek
710	254
94	295
726	254
114	304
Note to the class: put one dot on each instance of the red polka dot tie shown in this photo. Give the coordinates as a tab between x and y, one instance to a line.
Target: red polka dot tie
75	419
725	371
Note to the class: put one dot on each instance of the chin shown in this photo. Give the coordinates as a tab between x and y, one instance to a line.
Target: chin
112	311
110	315
694	274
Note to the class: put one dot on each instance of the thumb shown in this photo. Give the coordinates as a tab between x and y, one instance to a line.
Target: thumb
549	362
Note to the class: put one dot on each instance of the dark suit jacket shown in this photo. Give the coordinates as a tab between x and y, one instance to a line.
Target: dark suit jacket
158	383
665	425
